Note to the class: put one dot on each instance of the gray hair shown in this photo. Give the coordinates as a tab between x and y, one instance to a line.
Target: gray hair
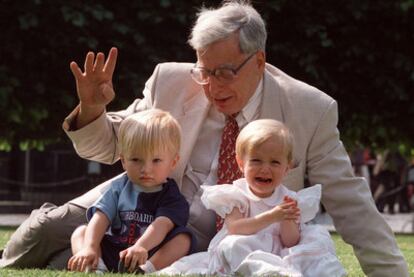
233	16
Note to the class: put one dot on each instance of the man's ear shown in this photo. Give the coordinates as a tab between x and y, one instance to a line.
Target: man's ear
261	60
240	163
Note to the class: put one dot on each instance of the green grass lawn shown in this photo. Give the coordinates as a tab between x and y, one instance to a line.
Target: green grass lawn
344	251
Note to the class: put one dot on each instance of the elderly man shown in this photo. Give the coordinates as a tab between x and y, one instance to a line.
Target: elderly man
231	80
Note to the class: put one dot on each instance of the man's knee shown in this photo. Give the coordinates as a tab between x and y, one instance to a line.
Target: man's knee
51	221
44	233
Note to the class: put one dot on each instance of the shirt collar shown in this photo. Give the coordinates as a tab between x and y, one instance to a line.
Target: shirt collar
251	110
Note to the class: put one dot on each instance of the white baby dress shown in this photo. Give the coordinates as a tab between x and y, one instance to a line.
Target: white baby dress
262	253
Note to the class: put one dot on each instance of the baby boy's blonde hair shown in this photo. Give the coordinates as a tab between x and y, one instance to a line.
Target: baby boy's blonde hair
147	132
257	132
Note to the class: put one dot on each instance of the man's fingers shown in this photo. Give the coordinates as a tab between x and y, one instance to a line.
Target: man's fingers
99	62
89	62
76	71
111	61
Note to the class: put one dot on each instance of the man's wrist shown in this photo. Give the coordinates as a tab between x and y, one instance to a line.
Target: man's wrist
86	115
69	124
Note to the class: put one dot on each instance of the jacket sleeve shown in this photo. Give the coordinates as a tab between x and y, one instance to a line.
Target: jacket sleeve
349	202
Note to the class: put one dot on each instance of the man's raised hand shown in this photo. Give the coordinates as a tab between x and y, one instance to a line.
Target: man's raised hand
94	84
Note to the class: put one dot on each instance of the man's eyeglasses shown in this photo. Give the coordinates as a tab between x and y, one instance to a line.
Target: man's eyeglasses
224	75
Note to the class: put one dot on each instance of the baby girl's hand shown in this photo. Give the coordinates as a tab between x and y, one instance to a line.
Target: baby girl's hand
285	211
294	202
288	199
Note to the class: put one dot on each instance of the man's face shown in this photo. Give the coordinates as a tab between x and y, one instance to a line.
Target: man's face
231	98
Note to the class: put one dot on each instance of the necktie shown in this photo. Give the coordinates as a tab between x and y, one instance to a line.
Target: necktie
227	170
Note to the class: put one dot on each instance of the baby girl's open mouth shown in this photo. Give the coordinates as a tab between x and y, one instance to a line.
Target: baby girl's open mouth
263	180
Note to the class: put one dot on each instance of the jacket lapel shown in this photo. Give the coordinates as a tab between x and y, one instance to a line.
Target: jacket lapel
271	104
194	112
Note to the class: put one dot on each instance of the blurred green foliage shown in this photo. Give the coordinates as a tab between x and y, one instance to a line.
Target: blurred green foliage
359	52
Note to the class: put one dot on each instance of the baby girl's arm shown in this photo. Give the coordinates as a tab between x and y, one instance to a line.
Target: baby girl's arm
237	224
289	228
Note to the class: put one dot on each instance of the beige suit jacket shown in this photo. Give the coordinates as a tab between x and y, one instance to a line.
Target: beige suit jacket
312	117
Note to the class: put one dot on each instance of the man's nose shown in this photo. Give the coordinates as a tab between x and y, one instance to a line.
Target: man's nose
214	85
